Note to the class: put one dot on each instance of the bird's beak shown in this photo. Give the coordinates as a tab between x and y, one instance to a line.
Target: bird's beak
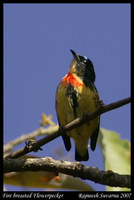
76	57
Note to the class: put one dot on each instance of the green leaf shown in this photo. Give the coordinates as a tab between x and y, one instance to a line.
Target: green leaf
116	154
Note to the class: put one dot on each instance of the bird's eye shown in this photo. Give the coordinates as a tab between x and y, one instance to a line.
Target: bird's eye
85	59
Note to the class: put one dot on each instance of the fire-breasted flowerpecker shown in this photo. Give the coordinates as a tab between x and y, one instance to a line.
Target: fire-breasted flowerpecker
77	95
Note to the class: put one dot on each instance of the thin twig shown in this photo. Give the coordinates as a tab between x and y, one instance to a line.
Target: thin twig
75	169
77	122
41	131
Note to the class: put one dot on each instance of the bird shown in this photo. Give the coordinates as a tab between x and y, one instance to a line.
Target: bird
76	95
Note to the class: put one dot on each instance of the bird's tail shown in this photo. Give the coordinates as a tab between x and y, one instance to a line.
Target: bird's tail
81	155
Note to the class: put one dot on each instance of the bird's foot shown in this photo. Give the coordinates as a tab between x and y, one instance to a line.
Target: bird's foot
98	103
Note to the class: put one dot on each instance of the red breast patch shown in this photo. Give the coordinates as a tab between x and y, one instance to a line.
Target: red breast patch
69	78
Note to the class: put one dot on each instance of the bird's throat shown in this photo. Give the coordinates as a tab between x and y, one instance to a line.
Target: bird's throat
71	79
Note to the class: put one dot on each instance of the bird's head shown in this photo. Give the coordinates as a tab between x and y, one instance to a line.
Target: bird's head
82	67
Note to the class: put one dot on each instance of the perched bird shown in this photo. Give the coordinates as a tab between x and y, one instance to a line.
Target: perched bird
77	95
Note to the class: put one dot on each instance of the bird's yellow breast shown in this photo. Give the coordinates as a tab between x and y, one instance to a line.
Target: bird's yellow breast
86	103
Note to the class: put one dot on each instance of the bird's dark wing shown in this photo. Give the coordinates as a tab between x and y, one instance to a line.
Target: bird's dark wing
67	141
94	138
66	138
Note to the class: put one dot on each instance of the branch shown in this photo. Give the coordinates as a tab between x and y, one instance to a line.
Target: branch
75	169
41	131
77	122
